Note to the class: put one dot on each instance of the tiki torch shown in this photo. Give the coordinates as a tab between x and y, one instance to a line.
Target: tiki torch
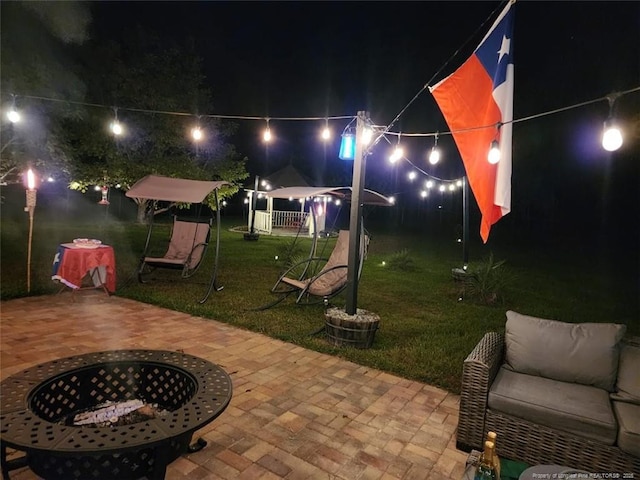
31	206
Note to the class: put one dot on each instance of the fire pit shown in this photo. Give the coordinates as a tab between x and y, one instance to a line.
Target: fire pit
38	406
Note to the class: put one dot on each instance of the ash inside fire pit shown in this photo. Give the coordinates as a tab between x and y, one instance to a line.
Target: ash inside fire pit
113	414
123	414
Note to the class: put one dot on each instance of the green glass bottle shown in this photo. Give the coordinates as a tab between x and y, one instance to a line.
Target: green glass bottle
486	469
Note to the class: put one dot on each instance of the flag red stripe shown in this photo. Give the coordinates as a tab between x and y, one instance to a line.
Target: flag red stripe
465	99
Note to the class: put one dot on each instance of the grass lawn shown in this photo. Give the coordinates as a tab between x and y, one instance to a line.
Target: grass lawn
425	331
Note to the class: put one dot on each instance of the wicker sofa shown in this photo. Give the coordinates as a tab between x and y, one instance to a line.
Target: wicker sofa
555	393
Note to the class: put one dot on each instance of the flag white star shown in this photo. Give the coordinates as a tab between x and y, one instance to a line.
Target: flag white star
504	48
56	259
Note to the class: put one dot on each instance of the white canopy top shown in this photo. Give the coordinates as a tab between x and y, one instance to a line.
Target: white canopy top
369	197
155	187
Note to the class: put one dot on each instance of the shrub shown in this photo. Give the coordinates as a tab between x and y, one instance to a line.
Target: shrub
401	260
486	282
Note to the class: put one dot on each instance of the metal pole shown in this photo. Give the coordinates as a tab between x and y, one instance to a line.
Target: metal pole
355	226
254	201
465	223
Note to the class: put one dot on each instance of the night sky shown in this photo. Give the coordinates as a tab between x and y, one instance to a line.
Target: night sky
300	59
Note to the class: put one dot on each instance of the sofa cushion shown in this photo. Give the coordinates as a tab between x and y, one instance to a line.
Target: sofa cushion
585	353
578	409
628	385
629	427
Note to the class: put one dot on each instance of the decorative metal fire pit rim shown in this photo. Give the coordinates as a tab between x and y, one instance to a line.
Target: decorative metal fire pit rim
23	429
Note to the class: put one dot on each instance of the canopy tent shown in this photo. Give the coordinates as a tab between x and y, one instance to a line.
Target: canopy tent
156	187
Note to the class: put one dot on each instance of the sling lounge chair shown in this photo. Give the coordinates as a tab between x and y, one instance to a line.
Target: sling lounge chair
321	278
188	244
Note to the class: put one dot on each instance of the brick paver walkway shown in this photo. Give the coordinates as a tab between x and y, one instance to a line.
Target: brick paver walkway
295	413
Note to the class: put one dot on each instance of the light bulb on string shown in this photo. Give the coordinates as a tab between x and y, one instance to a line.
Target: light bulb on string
266	136
13	115
412	175
397	153
115	126
326	133
611	136
494	153
429	184
196	133
424	193
367	135
434	154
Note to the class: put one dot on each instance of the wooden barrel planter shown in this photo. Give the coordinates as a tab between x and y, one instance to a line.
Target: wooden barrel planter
356	330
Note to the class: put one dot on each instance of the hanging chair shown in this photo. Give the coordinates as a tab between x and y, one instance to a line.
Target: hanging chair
321	278
317	279
187	247
189	238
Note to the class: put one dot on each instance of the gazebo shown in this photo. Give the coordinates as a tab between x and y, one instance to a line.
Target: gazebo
287	216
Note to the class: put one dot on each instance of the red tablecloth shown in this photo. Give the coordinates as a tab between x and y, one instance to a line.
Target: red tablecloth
71	264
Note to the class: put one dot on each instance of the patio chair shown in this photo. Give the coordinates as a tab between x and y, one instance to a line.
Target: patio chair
187	246
316	279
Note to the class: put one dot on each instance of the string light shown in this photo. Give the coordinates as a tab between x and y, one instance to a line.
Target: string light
397	153
196	133
266	136
13	115
611	134
494	153
116	126
434	155
326	132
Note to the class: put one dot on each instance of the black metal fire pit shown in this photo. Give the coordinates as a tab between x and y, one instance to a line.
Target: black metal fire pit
37	403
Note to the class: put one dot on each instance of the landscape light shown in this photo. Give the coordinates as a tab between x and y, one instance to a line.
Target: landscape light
494	153
611	136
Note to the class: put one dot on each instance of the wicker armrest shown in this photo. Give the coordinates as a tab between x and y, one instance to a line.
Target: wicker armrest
478	371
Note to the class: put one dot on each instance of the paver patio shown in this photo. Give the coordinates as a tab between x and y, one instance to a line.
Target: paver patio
295	413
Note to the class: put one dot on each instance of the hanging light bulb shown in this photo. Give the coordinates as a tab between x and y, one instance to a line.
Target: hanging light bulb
13	116
434	154
266	136
116	126
397	154
326	133
494	153
424	193
611	136
412	175
367	135
196	133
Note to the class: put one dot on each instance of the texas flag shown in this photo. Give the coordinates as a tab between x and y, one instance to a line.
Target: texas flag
477	103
